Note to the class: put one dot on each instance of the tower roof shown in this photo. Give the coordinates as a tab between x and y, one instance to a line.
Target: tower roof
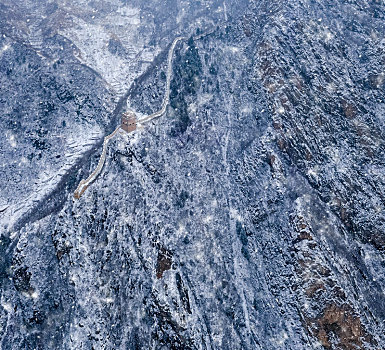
128	121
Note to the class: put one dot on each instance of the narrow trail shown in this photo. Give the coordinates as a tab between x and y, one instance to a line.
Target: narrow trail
166	97
83	185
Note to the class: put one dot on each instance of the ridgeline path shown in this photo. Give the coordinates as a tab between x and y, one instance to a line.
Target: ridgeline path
83	185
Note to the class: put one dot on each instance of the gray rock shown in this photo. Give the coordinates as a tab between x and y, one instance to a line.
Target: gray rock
249	216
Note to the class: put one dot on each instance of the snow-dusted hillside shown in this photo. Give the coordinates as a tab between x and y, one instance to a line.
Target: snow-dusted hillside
249	216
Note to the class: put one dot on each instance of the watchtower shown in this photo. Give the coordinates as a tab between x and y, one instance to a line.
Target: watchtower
128	121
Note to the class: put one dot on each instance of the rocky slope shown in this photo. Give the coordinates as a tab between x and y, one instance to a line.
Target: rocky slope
249	216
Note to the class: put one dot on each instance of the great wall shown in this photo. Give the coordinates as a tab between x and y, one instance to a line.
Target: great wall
129	123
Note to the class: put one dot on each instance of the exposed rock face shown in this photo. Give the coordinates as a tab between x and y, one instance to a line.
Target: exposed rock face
249	216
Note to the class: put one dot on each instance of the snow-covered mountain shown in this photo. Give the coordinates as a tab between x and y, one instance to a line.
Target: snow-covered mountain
249	216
